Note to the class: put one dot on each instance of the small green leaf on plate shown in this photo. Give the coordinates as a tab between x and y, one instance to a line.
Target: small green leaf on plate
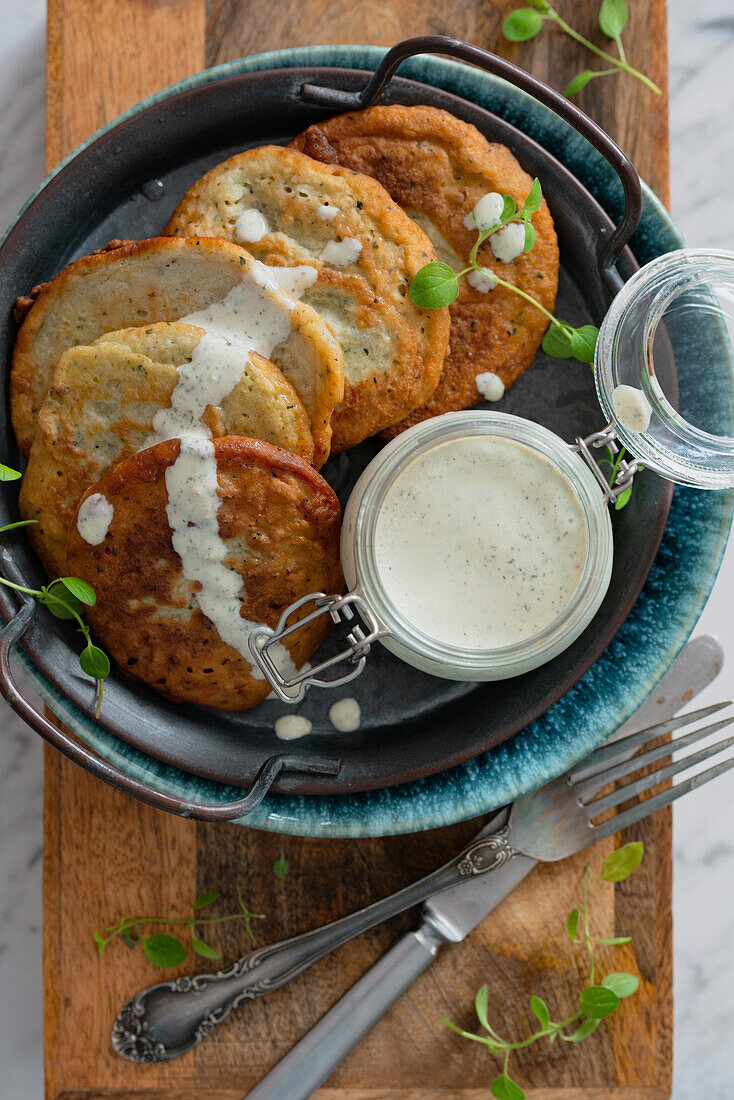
95	662
623	499
7	473
434	286
534	199
79	588
583	343
557	343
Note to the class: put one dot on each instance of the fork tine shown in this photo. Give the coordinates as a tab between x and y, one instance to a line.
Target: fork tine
665	798
588	787
634	740
647	782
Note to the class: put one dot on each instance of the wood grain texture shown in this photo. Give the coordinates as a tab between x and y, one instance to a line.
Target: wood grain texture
105	855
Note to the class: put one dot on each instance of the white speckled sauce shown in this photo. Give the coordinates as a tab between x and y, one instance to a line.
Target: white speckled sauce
94	518
341	253
632	409
291	726
480	542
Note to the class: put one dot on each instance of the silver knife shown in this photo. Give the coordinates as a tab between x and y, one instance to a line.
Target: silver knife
449	916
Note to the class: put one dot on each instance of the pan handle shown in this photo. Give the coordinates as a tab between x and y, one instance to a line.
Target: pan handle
340	100
79	754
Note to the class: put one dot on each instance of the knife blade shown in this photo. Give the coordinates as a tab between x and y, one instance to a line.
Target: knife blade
452	914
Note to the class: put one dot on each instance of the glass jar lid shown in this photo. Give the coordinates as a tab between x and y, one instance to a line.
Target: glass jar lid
664	367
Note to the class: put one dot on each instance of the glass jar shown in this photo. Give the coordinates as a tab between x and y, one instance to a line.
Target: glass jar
650	344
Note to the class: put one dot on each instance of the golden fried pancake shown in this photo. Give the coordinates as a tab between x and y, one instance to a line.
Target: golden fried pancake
437	168
138	282
292	210
101	408
279	522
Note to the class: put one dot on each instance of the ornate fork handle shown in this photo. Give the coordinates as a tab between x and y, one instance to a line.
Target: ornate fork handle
166	1020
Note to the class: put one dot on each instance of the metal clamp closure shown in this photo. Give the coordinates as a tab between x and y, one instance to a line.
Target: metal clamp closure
607	437
341	609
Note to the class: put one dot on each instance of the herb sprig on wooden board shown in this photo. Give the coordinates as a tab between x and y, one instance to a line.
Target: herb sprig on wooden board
597	1000
166	950
524	23
65	598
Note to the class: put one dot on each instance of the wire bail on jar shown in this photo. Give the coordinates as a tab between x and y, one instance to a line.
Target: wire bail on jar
340	608
606	437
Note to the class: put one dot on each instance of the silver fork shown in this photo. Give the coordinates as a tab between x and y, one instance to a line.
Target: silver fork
549	824
162	1022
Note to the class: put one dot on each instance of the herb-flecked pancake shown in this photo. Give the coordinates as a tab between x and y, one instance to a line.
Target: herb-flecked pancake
277	525
289	209
437	168
132	283
101	409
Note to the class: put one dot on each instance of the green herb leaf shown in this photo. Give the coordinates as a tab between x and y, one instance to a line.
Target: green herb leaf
557	343
7	473
522	24
615	941
481	1007
529	235
579	81
60	601
95	662
541	5
623	499
572	924
583	1031
164	950
203	949
539	1009
205	899
509	209
583	343
534	199
623	985
281	867
434	286
504	1088
100	941
622	862
79	588
598	1002
613	17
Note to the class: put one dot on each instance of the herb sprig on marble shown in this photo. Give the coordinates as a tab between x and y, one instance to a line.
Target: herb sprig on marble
166	950
65	598
597	1000
525	23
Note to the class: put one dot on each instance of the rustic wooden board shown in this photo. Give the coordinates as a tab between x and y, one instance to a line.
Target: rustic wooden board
105	856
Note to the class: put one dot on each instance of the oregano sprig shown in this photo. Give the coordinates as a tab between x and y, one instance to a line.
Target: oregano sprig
65	598
166	950
525	23
597	1000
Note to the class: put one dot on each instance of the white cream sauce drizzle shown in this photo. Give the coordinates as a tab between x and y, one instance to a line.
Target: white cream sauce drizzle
345	715
341	253
482	280
480	542
255	315
486	213
251	226
94	519
490	385
509	242
326	213
290	726
632	408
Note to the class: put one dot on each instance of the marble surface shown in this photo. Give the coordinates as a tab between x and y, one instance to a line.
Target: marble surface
702	148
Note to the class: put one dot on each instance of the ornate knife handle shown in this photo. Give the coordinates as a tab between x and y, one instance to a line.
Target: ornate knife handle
166	1020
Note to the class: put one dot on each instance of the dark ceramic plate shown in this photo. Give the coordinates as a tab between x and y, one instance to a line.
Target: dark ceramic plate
125	183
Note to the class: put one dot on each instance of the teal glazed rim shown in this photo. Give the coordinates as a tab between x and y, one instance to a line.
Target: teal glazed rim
651	637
